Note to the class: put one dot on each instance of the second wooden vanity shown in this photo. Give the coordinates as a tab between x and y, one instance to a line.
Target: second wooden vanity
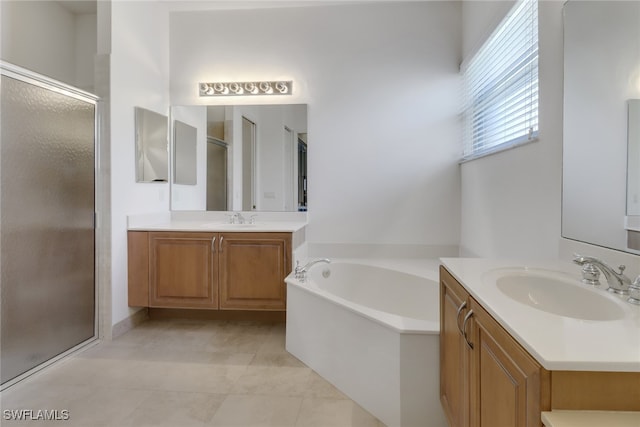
183	265
487	378
227	271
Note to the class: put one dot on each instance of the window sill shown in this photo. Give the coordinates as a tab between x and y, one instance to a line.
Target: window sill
499	149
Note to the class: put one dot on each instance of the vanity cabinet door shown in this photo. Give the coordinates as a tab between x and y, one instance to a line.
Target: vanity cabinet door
506	383
486	378
183	270
253	267
454	356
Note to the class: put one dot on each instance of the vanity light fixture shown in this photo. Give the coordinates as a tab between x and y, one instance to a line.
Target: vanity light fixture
245	88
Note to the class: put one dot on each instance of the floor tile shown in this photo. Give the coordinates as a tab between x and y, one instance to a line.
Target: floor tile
334	413
199	377
229	342
282	359
319	387
257	411
184	372
170	408
104	406
273	381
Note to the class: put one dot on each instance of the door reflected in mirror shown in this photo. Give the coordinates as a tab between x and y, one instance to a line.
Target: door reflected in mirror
248	157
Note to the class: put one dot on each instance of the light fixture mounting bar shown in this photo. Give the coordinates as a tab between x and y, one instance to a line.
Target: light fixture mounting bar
279	87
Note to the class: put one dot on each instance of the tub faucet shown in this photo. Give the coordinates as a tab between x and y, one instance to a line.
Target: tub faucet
301	272
617	281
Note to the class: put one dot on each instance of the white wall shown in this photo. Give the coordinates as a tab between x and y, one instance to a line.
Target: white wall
511	200
44	37
139	77
381	84
85	49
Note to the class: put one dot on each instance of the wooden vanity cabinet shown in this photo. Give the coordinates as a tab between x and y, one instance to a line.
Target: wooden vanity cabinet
252	270
183	270
454	355
507	386
227	271
486	378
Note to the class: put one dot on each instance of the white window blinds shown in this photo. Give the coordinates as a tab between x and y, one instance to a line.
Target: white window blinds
501	86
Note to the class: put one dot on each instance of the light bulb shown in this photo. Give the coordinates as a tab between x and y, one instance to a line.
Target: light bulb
265	87
251	87
282	87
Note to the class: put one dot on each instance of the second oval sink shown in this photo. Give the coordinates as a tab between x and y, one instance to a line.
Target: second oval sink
546	291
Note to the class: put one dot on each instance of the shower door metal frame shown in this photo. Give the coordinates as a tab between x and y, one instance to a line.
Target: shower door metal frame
39	80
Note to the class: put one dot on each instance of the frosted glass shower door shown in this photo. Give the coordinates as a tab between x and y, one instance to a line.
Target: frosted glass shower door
47	180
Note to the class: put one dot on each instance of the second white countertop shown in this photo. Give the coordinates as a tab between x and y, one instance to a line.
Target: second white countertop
265	222
557	342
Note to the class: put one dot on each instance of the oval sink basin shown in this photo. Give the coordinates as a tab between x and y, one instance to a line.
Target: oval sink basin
556	294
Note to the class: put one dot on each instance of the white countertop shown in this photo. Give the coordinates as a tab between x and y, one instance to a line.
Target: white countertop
286	222
563	418
557	342
209	226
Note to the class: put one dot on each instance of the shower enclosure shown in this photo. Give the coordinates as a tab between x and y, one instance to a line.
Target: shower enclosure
47	234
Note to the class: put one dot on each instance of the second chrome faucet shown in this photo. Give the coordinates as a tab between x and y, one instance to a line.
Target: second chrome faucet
616	280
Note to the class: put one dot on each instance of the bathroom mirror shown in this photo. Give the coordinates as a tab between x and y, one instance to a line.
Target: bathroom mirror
248	157
152	157
633	161
601	73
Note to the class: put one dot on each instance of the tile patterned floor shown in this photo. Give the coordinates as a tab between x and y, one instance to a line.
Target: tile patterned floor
187	373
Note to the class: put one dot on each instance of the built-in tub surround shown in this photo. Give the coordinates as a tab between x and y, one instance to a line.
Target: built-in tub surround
558	342
371	329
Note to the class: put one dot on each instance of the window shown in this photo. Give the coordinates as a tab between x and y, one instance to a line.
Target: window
501	86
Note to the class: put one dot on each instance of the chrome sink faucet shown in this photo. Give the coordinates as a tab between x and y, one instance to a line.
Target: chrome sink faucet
237	218
301	272
617	281
634	292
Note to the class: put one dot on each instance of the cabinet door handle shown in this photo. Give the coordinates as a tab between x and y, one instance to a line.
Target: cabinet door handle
221	239
462	306
464	328
213	245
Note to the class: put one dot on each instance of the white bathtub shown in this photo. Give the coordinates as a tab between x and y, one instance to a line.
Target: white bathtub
372	332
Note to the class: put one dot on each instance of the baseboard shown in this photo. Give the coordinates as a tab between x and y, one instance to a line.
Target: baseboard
125	325
177	313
